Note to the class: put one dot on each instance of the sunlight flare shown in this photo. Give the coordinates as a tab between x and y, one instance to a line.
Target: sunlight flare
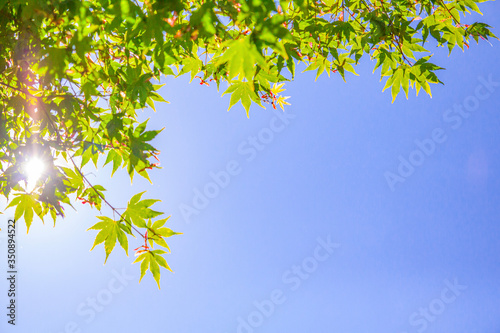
33	170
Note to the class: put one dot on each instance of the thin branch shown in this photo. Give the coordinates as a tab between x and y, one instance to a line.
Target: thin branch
31	95
86	180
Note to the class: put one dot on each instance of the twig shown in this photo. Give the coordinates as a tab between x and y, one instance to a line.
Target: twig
86	180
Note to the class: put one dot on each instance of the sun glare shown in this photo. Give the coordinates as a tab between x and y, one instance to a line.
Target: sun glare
33	170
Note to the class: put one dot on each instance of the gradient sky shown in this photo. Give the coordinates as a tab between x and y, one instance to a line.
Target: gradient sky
417	254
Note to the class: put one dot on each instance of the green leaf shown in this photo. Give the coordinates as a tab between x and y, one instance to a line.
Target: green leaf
152	260
138	211
157	231
241	58
244	92
109	232
25	205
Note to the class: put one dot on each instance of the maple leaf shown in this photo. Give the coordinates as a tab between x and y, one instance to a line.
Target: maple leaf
241	58
282	101
243	91
138	210
25	205
152	260
157	232
109	232
277	88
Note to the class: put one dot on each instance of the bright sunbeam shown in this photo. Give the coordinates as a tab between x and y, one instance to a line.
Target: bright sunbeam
33	170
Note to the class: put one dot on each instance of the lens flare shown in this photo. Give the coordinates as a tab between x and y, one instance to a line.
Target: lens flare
33	170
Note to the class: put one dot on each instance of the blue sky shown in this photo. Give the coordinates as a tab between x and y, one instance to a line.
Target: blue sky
306	232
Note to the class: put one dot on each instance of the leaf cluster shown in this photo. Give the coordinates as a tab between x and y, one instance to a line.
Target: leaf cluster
73	75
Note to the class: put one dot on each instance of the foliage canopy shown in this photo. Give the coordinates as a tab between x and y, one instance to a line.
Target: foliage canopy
73	73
